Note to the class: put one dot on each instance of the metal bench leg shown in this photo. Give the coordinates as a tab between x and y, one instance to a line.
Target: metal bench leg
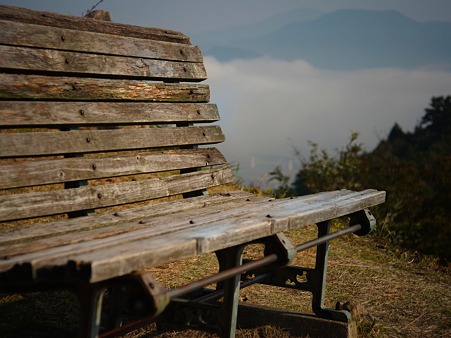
90	311
197	312
317	278
229	258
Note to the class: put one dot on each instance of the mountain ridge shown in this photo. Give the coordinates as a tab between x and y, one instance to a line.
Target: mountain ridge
346	39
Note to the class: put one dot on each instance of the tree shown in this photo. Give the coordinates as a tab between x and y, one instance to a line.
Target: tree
324	172
414	169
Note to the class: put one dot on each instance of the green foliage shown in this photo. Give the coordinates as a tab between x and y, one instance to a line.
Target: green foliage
414	169
322	172
283	189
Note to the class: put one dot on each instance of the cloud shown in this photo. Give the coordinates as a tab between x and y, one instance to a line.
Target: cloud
267	106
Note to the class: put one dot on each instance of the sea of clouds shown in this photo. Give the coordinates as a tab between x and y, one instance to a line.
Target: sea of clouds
269	106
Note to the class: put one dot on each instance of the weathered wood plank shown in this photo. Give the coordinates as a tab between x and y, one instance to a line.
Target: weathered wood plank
31	173
165	219
21	86
44	113
24	15
142	224
32	233
110	256
20	34
210	237
48	60
86	141
36	204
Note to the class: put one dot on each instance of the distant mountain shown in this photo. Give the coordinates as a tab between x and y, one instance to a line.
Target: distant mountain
347	39
220	38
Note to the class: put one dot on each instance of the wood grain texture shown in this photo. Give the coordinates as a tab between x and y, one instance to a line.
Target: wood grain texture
21	86
29	35
89	141
170	217
55	61
26	234
35	204
32	173
46	114
155	240
10	13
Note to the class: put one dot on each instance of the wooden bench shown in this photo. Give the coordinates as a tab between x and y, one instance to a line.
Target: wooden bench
105	165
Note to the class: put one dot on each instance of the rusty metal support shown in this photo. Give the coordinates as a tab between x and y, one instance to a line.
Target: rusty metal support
90	298
147	297
221	316
308	279
317	277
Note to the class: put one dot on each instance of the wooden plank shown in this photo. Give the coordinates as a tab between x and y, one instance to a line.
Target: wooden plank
142	224
33	233
20	34
87	141
173	217
36	204
31	173
45	113
147	222
21	86
24	15
108	257
210	237
153	220
48	60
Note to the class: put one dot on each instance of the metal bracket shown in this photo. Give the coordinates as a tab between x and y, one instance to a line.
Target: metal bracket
366	220
137	293
221	316
307	279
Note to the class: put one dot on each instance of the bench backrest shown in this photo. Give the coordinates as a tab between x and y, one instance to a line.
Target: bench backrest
97	114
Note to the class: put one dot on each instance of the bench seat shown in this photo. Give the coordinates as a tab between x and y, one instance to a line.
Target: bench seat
105	246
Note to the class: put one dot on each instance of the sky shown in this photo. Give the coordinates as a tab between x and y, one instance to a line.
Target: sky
270	106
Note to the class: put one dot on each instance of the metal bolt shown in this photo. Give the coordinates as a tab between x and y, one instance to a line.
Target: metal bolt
99	195
88	139
94	167
82	112
63	38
